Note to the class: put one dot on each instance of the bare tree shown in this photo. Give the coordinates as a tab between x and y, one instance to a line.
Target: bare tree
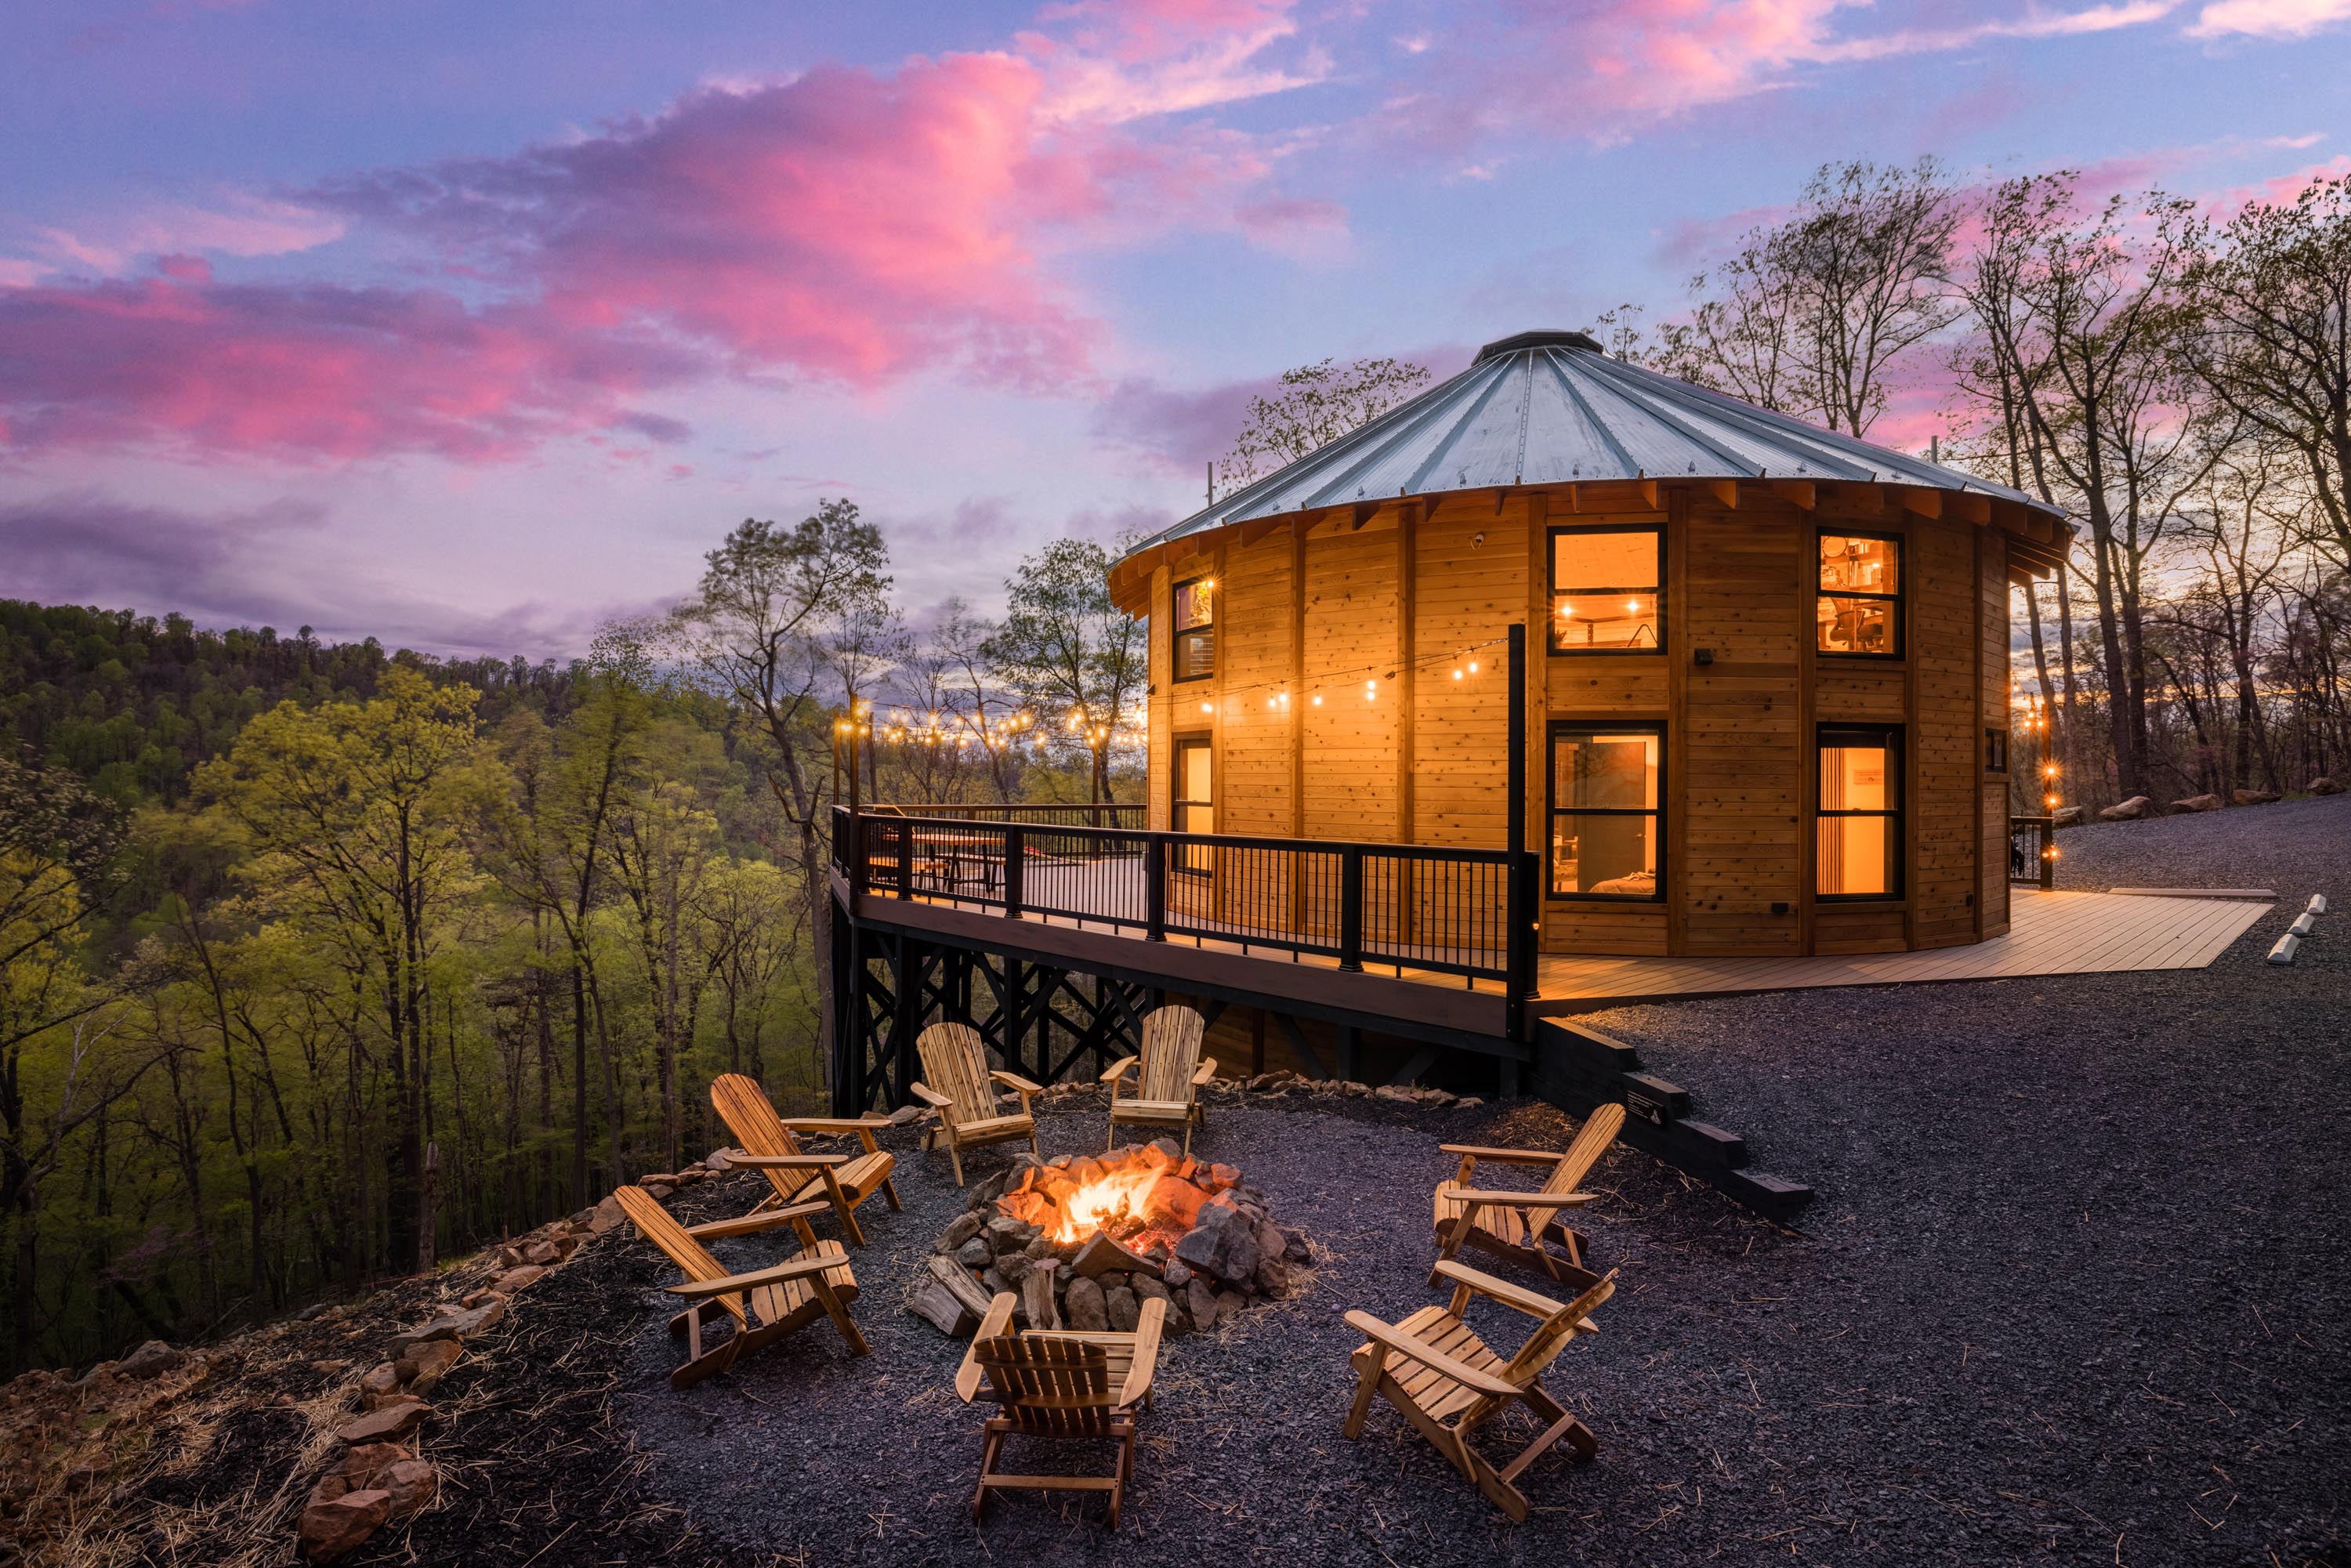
1317	404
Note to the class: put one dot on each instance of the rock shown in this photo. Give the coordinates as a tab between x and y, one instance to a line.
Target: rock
2195	803
664	1178
1124	1308
1400	1096
383	1379
1088	1311
904	1115
1354	1090
517	1279
364	1466
1272	1274
2323	787
996	1281
1166	1146
2066	816
1006	1234
1229	1304
423	1366
413	1483
1084	1170
330	1368
1177	1275
1222	1178
313	1312
330	1528
1294	1247
657	1190
1173	1204
1223	1244
1200	1304
149	1359
719	1159
1041	1248
1147	1288
2253	797
452	1325
2131	811
960	1230
974	1253
385	1424
543	1253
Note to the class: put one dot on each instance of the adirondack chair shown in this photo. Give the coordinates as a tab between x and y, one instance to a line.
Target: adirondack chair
1060	1383
1448	1383
1172	1071
784	1299
962	1087
770	1145
1516	1225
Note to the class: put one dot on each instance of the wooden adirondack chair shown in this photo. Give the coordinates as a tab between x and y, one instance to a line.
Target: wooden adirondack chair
1060	1383
1167	1090
1516	1225
962	1087
769	1145
1435	1369
783	1299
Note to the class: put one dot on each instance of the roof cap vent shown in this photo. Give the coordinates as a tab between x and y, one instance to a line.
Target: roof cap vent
1541	337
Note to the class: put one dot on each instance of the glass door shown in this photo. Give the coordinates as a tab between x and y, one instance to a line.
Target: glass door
1195	803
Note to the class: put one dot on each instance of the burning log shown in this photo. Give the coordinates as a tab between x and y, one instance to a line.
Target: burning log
1104	1252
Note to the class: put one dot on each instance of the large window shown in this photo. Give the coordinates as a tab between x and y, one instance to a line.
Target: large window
1604	810
1193	804
1860	606
1860	825
1604	590
1196	628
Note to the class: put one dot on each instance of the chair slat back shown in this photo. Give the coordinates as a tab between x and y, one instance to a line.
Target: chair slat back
1171	1053
692	1257
1050	1387
955	1064
744	1106
1539	1351
1592	1140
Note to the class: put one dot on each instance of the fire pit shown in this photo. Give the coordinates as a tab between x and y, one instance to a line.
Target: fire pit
1085	1239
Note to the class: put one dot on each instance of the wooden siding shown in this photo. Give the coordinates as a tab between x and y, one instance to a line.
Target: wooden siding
1992	609
1351	635
1942	813
1254	778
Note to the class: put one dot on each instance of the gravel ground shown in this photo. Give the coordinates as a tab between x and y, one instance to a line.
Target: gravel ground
2073	1289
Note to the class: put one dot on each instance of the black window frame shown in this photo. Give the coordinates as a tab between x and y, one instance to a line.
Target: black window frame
1897	869
1177	745
1554	810
1995	750
1180	634
1900	618
1553	592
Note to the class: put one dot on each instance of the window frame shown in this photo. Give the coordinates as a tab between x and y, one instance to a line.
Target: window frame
1179	635
1996	740
1898	599
1553	811
1553	645
1177	745
1896	781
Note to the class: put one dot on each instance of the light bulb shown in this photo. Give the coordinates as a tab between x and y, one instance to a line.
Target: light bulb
1318	699
1473	666
1634	605
1207	707
1456	675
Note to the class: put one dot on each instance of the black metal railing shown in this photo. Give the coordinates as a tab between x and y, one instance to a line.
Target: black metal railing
1405	906
2032	851
1073	814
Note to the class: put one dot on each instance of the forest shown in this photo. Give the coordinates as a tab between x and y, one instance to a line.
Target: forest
318	964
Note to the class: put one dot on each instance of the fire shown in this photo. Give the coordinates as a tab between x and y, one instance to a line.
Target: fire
1137	1197
1113	1202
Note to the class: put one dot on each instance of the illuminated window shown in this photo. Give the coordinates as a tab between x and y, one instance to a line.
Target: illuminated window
1604	590
1603	812
1860	606
1196	628
1193	804
1860	822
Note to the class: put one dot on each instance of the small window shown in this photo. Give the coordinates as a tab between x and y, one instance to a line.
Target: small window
1604	590
1860	822
1603	812
1995	751
1196	628
1860	607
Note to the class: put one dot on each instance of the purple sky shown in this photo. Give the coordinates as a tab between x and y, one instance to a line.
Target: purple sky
471	326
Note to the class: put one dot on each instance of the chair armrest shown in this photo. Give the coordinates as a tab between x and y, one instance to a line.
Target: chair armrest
970	1374
1474	1198
1532	1302
1015	1081
1437	1361
787	1162
1206	1070
1146	1351
930	1096
835	1124
1508	1156
752	1224
1120	1069
797	1268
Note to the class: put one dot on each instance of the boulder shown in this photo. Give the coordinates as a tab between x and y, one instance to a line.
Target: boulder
1466	1101
905	1114
2325	787
1006	1234
422	1366
149	1359
1124	1308
412	1483
2066	816
1177	1275
1229	1304
2253	797
385	1424
364	1466
1173	1204
960	1230
2131	811
719	1159
1272	1274
330	1368
452	1325
1088	1311
1200	1304
2197	803
379	1380
1223	1244
974	1253
515	1280
1222	1177
330	1528
543	1253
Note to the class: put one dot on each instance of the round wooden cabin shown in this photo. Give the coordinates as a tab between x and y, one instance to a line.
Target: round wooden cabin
1766	680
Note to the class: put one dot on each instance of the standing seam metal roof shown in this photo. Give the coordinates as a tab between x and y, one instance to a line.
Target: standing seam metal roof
1549	407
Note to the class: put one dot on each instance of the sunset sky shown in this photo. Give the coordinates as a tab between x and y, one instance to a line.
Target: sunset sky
469	326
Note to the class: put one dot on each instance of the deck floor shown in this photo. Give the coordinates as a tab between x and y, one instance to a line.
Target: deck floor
2049	933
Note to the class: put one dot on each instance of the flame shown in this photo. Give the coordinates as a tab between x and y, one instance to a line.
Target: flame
1112	1202
1117	1201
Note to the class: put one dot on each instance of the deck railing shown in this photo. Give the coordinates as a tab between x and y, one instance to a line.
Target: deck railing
1406	906
1073	814
2032	851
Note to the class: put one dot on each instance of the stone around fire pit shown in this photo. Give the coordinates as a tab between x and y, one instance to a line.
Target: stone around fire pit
1084	1240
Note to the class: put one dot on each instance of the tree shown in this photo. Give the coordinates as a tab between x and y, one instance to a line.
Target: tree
764	630
1317	404
1068	649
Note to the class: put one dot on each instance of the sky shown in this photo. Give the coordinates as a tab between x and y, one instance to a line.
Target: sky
472	326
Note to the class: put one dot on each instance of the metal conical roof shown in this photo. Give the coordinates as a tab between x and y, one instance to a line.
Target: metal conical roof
1551	408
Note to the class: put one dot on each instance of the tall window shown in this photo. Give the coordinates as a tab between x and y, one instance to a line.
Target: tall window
1604	810
1604	590
1193	805
1860	605
1196	628
1860	825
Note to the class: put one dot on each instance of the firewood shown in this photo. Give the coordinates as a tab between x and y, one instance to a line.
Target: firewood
1104	1252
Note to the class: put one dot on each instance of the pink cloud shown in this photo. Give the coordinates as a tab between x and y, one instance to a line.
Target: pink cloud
2268	18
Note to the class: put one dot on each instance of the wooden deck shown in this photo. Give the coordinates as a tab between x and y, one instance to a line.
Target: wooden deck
2049	933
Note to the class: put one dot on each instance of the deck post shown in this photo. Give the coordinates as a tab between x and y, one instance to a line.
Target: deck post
1351	907
906	859
1015	849
1518	884
1155	887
